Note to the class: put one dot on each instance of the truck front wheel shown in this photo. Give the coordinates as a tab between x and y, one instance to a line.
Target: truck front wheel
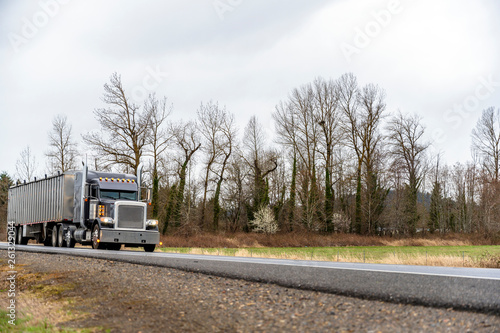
114	246
96	244
149	247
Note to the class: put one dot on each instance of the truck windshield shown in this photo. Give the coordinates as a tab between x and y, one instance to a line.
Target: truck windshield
116	195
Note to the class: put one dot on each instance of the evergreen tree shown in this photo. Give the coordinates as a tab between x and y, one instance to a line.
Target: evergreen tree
435	207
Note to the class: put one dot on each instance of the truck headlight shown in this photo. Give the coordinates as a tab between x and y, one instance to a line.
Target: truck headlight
107	220
151	223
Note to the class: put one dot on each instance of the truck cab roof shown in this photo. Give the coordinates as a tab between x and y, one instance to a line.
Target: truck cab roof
113	181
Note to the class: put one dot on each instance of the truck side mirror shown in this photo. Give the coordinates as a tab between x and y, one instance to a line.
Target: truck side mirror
147	197
93	191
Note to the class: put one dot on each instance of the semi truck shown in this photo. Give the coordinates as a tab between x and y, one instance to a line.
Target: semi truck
101	209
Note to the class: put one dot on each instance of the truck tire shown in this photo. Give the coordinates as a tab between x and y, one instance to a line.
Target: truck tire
96	244
61	241
68	239
149	247
114	247
20	239
47	241
54	236
46	234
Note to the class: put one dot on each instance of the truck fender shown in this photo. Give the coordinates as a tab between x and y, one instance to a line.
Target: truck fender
96	222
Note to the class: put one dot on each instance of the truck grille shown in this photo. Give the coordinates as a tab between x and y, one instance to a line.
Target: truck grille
131	217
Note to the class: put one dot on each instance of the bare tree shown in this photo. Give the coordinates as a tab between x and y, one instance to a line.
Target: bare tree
158	140
26	165
363	111
286	129
187	142
237	194
486	146
210	119
307	135
124	128
63	151
260	160
486	141
226	145
348	99
298	124
327	113
372	106
408	149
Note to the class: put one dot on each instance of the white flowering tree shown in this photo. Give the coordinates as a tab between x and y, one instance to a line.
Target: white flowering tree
264	221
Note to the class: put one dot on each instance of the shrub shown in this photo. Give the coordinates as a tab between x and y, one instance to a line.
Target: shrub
264	221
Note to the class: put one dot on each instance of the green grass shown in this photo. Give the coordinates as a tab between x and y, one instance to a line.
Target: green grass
22	324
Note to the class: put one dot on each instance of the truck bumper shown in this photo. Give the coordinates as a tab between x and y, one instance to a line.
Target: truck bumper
132	238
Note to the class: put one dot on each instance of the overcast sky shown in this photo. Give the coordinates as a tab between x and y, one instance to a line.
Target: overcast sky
439	59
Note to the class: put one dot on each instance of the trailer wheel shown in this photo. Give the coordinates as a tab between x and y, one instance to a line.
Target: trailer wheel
96	244
20	239
46	232
70	241
149	247
19	235
47	241
54	236
61	241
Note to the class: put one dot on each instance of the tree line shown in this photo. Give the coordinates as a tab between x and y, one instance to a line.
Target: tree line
340	162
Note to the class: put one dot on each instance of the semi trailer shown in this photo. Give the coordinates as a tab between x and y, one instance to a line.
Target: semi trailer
101	209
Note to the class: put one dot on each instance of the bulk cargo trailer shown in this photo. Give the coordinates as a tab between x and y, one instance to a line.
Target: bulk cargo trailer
101	209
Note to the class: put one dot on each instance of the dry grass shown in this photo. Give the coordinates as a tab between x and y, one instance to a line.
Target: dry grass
486	260
245	240
441	260
39	303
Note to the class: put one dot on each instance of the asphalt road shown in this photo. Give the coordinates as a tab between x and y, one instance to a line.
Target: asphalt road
473	289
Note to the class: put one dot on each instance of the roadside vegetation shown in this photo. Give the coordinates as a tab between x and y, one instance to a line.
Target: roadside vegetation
27	324
311	239
456	250
44	303
455	256
22	325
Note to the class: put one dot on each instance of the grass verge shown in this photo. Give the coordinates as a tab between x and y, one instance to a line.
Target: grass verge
26	324
451	256
43	303
454	250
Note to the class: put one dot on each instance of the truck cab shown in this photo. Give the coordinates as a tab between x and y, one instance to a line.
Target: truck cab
115	213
